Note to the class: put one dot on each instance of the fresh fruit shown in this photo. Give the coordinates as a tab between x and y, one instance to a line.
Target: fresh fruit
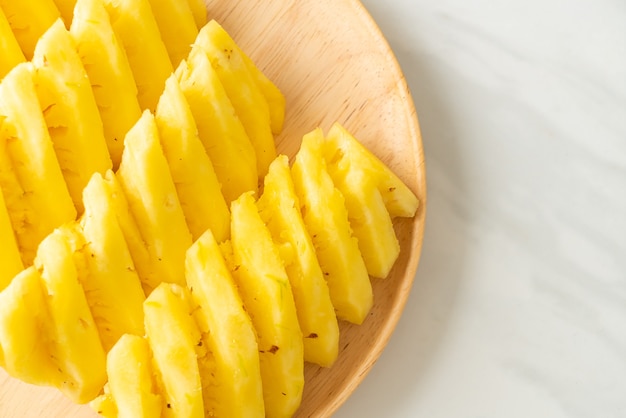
29	19
11	51
279	207
198	9
10	261
66	7
177	27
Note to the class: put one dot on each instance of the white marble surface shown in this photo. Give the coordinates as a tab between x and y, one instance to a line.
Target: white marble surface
519	303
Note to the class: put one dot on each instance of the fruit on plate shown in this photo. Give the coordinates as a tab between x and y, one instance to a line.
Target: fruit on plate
11	51
10	261
29	19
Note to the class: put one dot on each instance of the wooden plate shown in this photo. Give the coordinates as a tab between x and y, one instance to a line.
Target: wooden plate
333	64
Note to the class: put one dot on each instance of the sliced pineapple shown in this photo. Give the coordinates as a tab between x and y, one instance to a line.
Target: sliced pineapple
66	7
177	26
326	218
198	188
137	29
245	95
173	336
29	19
148	186
198	9
279	207
70	110
220	130
267	297
227	331
10	261
35	192
11	51
110	75
76	349
104	405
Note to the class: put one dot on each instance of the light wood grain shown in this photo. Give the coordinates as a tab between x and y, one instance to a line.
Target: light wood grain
333	64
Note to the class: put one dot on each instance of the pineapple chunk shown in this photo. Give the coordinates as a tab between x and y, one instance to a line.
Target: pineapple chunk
104	405
11	52
76	349
10	261
111	284
35	193
132	387
244	93
173	336
137	29
196	183
70	110
198	9
220	130
228	333
326	218
177	26
109	72
279	208
267	297
29	19
148	186
66	7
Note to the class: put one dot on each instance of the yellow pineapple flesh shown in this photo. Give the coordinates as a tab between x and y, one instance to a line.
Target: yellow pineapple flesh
326	218
35	192
29	19
227	331
198	9
11	52
177	26
109	71
66	7
198	188
10	261
104	405
279	207
267	297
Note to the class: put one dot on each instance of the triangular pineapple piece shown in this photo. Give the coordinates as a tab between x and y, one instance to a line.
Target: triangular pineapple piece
196	183
70	110
267	297
279	207
66	7
245	95
11	52
326	218
10	261
220	130
111	284
29	19
137	29
227	331
177	26
109	72
35	193
105	405
198	9
151	194
76	348
173	336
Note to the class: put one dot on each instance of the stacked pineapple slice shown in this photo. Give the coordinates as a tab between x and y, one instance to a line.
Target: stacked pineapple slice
139	271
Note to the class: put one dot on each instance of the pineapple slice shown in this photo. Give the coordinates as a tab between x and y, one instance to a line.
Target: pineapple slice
111	284
198	9
279	208
326	219
10	261
35	193
177	26
109	72
29	19
220	130
70	110
148	186
11	52
196	183
227	331
267	297
105	405
132	390
244	93
66	7
76	349
137	29
173	336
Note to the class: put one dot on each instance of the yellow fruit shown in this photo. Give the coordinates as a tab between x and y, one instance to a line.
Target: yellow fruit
104	405
110	75
66	7
29	19
137	29
245	95
279	207
227	331
35	192
11	52
198	8
220	130
70	110
10	261
173	335
267	297
196	183
148	186
326	218
177	26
